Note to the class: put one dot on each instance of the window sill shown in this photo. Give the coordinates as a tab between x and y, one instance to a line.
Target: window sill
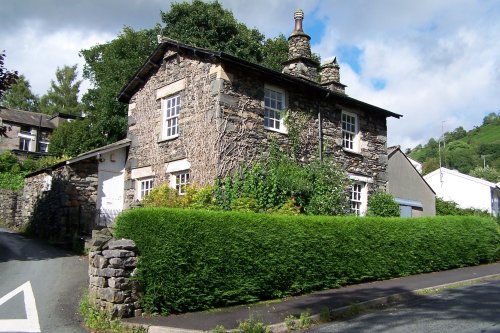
353	152
276	130
170	138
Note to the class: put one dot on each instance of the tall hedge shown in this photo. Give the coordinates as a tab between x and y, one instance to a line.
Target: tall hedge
192	260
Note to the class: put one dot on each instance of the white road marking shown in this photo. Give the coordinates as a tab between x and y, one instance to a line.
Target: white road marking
31	323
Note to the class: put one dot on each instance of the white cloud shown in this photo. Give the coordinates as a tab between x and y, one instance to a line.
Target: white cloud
37	54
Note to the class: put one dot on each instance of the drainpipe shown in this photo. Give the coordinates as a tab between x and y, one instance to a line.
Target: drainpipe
320	129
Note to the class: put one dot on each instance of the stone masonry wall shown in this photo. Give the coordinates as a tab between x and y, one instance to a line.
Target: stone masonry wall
221	124
197	135
61	203
112	265
8	207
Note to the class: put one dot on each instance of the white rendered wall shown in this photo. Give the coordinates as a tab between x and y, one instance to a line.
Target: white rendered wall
465	192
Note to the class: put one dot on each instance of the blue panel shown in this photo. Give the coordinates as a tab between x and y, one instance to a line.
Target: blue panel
404	211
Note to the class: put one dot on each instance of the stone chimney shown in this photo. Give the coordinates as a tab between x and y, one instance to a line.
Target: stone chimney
330	76
299	61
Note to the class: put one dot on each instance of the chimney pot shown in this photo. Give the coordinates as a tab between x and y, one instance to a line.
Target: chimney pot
298	16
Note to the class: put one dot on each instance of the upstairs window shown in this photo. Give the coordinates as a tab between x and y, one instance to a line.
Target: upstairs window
24	143
145	187
350	131
171	108
274	104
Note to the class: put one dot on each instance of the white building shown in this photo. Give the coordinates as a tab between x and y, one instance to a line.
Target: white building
465	190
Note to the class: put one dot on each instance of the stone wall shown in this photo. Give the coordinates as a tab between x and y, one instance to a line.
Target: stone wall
8	207
221	123
59	204
112	265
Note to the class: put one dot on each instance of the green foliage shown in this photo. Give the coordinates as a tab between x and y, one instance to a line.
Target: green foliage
464	150
96	319
73	138
7	78
252	326
488	173
275	52
62	95
198	259
245	204
382	204
19	96
13	170
444	208
209	25
109	67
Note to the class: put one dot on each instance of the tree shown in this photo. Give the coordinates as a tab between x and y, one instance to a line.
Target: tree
209	25
275	52
73	138
109	67
7	78
62	95
488	173
20	97
382	204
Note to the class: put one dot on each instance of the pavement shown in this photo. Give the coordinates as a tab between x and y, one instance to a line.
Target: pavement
337	302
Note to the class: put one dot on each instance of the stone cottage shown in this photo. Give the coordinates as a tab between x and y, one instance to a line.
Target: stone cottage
196	114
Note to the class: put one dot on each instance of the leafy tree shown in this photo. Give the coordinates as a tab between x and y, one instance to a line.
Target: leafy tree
491	118
109	67
7	78
73	138
488	173
209	25
382	204
430	165
20	97
275	52
62	95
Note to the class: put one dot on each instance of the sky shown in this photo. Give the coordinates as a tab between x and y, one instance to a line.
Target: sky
437	63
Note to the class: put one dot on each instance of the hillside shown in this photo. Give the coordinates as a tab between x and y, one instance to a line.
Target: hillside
466	151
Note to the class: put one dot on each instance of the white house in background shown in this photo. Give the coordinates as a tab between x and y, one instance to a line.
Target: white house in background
416	164
465	190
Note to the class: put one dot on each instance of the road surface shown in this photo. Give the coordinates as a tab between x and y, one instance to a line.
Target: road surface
40	286
468	309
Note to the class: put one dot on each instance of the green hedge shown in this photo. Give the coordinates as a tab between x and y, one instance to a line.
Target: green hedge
194	259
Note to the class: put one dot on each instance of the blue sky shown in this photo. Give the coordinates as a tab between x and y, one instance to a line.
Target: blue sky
431	61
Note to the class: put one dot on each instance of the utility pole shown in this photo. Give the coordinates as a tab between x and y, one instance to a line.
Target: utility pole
444	142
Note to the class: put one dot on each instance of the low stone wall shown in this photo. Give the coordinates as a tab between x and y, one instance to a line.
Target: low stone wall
8	204
112	265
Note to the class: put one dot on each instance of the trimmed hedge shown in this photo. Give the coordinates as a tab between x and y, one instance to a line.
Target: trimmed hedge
195	259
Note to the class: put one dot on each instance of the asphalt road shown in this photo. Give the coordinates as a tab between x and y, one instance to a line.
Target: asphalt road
468	309
40	286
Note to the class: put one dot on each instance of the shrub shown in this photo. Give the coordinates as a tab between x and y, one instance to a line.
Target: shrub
198	259
382	204
444	208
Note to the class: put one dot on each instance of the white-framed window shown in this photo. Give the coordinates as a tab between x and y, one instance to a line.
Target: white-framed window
358	198
180	180
43	147
171	107
24	143
350	131
144	187
274	105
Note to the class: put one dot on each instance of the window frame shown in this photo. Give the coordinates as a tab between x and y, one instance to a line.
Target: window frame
349	136
168	117
40	143
24	138
142	191
271	113
180	187
358	199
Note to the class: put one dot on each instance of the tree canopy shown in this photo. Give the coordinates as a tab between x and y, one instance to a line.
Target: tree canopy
19	96
7	78
62	95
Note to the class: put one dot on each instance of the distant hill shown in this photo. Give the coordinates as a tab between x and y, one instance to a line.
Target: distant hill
466	151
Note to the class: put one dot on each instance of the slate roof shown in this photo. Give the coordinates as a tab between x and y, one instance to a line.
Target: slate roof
26	118
155	59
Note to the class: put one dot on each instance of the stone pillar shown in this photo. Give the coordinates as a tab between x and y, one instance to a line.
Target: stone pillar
112	264
300	62
330	75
